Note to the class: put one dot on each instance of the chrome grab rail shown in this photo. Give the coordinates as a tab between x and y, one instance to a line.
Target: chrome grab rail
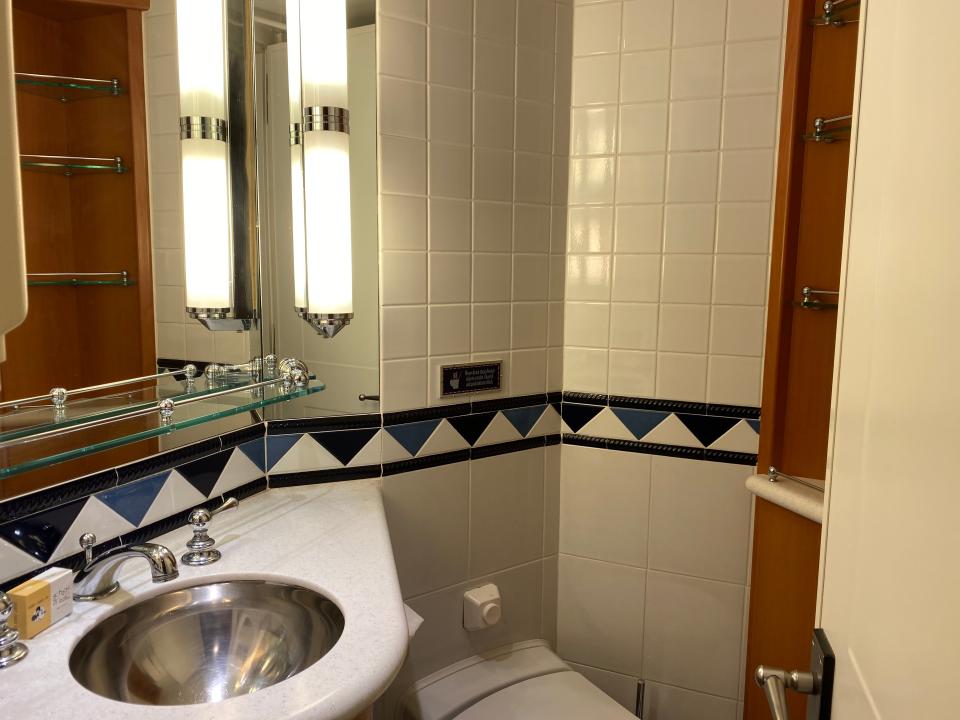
775	683
293	373
58	396
776	475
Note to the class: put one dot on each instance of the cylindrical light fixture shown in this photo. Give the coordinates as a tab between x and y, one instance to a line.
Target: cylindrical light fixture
208	252
326	165
298	220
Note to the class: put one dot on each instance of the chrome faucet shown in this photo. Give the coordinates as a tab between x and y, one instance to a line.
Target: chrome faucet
96	579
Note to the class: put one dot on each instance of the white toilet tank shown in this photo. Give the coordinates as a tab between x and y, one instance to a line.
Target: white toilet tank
519	681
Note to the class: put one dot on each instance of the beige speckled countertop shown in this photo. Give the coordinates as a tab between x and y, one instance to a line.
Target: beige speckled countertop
331	538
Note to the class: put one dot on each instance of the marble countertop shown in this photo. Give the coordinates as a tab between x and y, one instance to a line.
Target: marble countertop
796	497
331	538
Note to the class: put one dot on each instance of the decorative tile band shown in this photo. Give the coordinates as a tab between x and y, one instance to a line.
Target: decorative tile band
724	456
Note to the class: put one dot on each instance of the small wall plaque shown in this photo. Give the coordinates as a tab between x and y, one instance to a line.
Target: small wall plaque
471	378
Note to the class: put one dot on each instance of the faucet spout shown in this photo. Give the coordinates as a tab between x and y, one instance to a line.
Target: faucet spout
96	579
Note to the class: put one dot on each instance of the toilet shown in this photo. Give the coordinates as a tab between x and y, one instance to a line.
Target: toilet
522	681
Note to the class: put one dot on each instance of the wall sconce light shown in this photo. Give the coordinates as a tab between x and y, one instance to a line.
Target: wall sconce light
219	247
319	39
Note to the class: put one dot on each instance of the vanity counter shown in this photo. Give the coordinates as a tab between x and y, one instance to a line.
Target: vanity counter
331	538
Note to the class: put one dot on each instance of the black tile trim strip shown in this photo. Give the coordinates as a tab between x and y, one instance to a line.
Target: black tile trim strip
675	406
147	532
334	422
740	411
317	477
725	456
485	451
508	403
585	398
241	436
554	397
431	413
167	460
422	463
552	439
61	494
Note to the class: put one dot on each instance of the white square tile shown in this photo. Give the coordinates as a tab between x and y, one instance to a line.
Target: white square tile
646	24
404	278
692	633
506	510
639	228
536	24
171	341
492	227
692	177
450	170
584	369
596	80
643	128
558	277
531	228
752	68
555	323
494	72
449	277
698	22
593	131
600	614
749	122
740	280
636	278
699	519
695	125
403	49
199	342
492	174
415	10
493	121
684	328
736	330
452	14
679	704
449	329
451	114
529	325
743	228
734	380
640	179
746	175
491	327
170	303
403	165
587	324
686	279
696	72
428	515
689	228
604	500
622	688
632	373
496	19
532	178
403	108
528	371
451	58
633	326
596	29
531	275
752	19
534	126
555	369
168	267
644	76
591	181
449	224
590	229
404	332
535	71
404	222
682	377
491	277
588	277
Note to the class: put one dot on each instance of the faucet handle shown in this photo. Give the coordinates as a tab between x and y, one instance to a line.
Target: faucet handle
12	650
201	544
87	541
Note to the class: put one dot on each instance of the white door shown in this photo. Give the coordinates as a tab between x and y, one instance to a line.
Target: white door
890	581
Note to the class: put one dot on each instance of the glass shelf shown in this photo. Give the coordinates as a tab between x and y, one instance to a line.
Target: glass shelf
114	427
69	165
68	89
76	282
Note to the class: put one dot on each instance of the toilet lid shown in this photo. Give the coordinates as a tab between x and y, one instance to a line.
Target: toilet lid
557	696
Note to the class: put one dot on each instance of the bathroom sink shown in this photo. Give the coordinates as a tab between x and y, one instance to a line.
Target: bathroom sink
206	643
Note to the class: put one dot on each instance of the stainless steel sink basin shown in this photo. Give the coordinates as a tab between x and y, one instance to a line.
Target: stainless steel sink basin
206	643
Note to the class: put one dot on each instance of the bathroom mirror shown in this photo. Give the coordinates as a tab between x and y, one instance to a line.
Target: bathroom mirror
98	105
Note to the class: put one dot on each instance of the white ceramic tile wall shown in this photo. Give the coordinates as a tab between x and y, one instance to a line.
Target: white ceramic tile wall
653	568
673	127
474	103
178	337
